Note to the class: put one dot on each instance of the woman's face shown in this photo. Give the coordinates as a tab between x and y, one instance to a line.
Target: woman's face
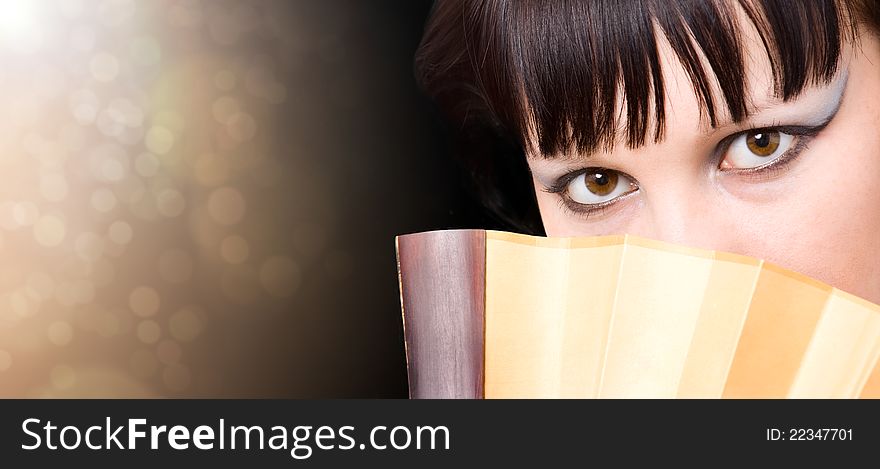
803	193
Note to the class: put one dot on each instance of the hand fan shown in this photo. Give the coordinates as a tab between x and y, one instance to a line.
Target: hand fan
490	314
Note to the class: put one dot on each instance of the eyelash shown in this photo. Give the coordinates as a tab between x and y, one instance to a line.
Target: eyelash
560	186
768	171
586	211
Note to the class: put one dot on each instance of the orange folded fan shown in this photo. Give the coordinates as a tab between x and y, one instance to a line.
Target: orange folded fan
490	314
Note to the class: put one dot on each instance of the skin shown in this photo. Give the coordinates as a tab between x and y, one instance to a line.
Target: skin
818	215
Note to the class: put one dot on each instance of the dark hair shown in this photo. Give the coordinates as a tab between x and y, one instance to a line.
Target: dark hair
500	68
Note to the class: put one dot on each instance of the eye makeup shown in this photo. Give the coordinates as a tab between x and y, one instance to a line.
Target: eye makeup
562	184
803	133
591	210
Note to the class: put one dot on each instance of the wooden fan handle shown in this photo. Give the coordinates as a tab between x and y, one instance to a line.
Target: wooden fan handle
442	286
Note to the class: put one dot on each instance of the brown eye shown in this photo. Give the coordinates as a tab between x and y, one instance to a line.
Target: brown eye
599	185
755	148
762	142
601	182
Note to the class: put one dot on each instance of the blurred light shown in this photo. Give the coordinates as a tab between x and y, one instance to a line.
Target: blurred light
226	205
234	249
49	231
175	266
20	24
118	119
89	246
5	360
62	377
170	203
185	325
104	67
280	276
168	352
40	285
148	331
103	200
144	301
176	377
159	140
120	232
60	333
146	164
143	363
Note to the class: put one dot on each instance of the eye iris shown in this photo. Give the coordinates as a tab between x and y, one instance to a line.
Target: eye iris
601	182
763	143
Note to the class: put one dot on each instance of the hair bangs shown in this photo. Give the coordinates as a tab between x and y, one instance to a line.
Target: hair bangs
575	75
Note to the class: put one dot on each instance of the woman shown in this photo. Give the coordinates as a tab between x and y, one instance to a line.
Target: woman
748	126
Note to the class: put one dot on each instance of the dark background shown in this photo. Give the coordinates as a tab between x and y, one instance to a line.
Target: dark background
396	175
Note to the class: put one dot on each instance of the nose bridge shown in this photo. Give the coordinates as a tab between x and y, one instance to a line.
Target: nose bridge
684	217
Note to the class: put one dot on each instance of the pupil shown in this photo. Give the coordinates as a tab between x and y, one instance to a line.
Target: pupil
762	140
600	179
